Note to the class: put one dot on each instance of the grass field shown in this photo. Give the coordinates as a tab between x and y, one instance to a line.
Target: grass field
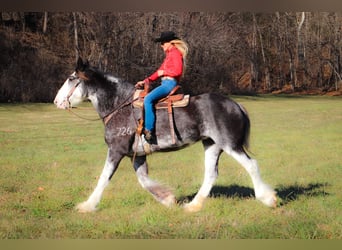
50	160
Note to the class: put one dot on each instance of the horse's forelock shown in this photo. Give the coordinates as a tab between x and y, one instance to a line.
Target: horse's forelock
82	75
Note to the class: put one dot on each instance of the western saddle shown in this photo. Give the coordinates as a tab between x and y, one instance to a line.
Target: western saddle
169	102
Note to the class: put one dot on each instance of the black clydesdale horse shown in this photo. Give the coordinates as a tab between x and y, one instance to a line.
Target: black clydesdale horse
220	123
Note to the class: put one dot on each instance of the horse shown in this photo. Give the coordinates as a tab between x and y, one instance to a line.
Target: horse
221	124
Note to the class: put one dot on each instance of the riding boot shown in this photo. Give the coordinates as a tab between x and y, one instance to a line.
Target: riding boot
149	137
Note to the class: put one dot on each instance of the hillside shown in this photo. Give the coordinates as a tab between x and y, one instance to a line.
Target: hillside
232	53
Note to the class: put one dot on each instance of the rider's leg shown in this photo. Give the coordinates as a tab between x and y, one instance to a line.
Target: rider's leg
156	94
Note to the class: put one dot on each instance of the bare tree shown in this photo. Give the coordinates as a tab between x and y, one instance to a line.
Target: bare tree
75	36
45	22
300	17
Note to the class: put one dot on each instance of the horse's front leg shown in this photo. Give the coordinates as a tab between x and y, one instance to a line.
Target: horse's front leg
162	194
109	169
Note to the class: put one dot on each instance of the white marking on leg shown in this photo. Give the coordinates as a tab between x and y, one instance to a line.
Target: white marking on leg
263	192
212	154
95	197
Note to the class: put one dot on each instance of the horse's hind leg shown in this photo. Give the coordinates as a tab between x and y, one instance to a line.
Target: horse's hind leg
160	193
212	153
263	192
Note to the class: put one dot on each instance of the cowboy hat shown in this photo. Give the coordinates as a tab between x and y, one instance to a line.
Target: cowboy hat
166	36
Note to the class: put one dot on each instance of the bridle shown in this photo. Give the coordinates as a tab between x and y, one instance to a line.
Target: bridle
105	118
67	102
71	91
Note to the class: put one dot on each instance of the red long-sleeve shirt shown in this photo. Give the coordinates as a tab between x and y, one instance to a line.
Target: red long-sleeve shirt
172	66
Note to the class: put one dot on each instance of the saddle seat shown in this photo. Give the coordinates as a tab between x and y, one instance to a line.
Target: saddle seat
169	102
177	100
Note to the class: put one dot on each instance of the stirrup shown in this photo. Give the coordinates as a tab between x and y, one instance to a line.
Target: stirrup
148	136
148	141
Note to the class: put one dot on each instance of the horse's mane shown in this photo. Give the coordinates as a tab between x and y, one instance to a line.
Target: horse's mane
106	77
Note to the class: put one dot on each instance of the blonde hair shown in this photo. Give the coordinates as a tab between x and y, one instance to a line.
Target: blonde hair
183	48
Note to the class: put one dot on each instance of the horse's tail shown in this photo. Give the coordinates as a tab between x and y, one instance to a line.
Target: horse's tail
247	127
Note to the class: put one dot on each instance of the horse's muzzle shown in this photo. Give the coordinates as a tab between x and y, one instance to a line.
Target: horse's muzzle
62	105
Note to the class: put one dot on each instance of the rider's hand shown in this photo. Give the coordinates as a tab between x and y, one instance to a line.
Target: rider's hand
160	72
139	84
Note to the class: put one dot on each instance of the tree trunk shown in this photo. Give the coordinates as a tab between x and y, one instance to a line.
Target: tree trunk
267	84
45	22
76	36
254	73
300	50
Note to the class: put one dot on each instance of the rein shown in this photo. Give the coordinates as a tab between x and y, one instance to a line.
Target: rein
82	117
105	118
109	116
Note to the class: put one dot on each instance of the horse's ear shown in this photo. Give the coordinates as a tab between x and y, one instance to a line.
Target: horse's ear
80	65
81	68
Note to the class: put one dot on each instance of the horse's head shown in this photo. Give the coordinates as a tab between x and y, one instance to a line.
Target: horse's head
73	91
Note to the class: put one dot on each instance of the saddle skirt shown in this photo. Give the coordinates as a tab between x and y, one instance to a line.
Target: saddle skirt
177	100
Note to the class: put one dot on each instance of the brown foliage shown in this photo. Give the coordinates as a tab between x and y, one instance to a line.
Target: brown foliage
229	52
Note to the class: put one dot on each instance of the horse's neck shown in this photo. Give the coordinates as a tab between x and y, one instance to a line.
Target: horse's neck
106	101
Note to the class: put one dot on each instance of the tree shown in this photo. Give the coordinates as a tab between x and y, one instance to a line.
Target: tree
75	36
45	22
235	52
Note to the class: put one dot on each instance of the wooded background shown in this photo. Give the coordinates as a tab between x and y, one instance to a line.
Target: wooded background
231	53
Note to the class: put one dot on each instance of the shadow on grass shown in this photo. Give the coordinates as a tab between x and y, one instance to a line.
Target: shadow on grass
292	193
272	97
287	194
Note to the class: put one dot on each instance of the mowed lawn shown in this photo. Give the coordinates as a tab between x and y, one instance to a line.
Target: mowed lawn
50	160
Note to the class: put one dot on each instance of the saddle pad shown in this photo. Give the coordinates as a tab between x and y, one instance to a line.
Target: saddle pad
139	102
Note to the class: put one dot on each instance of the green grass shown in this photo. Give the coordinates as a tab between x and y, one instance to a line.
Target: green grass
50	160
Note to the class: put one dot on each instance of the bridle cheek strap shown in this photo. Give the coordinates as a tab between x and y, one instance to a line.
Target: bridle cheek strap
71	92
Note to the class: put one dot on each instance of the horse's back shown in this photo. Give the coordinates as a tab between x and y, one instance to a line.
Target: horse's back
220	118
216	105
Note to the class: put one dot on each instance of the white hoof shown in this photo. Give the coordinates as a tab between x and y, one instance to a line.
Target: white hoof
270	201
195	205
192	207
169	201
268	197
85	207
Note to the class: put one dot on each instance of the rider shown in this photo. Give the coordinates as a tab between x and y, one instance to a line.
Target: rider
170	72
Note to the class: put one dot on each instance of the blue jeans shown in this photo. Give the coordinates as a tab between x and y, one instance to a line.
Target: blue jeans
156	94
